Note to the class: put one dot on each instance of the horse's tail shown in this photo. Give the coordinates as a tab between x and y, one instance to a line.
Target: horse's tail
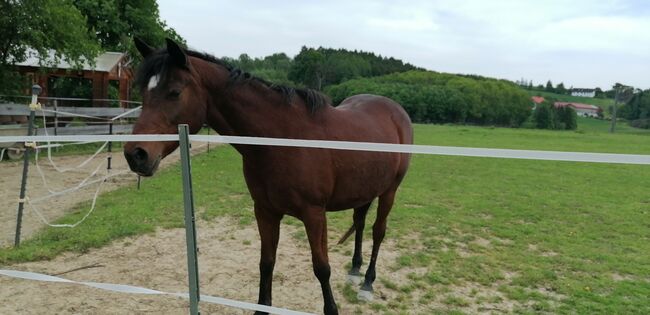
346	235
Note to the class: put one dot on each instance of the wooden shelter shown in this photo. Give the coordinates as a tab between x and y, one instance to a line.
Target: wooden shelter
109	66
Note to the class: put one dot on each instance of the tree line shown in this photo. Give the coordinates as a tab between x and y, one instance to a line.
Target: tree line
317	68
560	88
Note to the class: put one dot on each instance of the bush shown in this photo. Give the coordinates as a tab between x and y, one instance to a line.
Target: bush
547	116
431	97
640	123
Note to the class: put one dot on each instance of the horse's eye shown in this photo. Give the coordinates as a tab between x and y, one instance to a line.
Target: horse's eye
174	94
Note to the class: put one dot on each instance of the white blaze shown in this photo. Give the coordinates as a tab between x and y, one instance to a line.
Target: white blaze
153	82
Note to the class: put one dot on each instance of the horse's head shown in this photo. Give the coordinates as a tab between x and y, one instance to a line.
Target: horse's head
171	95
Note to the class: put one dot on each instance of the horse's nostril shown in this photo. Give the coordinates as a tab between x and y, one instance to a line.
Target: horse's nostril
140	155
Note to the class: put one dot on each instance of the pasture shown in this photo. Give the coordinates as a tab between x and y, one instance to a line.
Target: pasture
469	234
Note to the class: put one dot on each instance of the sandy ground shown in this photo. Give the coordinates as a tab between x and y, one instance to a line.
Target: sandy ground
10	178
228	264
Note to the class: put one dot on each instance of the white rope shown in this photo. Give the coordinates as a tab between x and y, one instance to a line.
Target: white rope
2	153
126	113
63	170
129	289
47	186
58	145
72	189
62	113
46	222
81	165
42	218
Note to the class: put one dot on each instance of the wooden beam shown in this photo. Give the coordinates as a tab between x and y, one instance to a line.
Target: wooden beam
9	109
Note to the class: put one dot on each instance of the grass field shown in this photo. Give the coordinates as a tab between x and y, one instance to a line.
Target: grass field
550	237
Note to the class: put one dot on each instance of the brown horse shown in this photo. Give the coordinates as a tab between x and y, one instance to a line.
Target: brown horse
186	87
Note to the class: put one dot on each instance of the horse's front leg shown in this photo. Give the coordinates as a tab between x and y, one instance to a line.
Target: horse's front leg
268	225
316	228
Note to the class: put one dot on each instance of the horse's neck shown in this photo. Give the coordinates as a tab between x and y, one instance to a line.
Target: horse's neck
246	109
250	109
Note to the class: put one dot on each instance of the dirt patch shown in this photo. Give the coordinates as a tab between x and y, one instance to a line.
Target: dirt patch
228	263
11	174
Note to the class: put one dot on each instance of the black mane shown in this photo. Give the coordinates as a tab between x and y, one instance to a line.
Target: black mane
157	63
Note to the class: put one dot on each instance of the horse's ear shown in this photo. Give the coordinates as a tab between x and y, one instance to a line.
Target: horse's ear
177	53
144	49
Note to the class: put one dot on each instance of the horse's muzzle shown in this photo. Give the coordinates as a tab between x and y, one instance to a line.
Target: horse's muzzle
140	163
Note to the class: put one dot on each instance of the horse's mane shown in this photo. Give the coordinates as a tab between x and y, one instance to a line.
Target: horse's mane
157	63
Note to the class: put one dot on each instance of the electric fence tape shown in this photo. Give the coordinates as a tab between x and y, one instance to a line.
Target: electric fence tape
140	290
360	146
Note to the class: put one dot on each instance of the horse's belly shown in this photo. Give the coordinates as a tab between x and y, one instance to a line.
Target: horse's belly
359	183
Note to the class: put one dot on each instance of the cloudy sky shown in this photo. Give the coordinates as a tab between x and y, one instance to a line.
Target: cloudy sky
581	43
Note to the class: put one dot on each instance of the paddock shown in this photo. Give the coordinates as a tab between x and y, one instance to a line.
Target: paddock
400	256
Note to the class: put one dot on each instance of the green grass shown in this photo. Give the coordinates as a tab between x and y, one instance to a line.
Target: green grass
603	103
591	125
550	237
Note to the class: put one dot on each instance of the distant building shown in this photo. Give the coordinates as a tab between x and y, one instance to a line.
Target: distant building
109	66
583	110
583	92
536	101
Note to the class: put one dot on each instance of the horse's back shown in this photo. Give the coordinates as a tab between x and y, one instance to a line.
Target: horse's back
379	116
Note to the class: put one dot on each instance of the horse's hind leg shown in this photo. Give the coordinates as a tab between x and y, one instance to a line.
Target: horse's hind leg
359	217
269	229
316	228
378	232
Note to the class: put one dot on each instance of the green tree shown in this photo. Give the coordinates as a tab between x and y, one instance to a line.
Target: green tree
543	116
560	89
549	87
53	29
308	68
116	22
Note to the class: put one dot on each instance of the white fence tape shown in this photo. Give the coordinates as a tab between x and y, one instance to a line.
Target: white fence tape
360	146
140	290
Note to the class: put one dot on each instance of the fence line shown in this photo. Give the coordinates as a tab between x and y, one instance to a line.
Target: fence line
360	146
101	113
140	290
73	99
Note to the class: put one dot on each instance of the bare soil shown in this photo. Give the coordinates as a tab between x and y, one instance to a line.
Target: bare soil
228	264
10	178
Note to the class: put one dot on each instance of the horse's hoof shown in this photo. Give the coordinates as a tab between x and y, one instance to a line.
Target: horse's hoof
364	296
354	280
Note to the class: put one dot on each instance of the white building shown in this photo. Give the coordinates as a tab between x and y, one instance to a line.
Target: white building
582	110
583	92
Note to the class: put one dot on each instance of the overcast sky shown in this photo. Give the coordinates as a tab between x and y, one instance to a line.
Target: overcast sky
582	43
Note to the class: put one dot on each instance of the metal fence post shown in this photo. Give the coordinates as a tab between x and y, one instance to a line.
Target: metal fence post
110	146
36	90
208	141
56	118
190	229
